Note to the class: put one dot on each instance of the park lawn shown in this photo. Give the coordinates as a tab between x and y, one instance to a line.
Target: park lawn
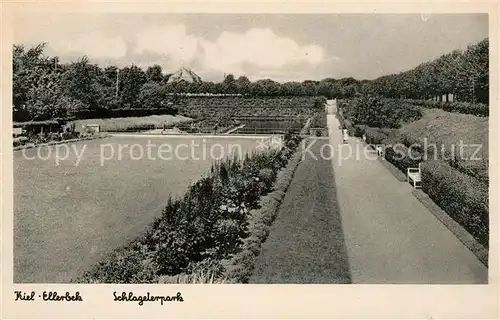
448	128
306	242
67	218
121	124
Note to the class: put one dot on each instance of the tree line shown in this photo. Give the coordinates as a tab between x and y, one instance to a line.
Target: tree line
44	88
458	75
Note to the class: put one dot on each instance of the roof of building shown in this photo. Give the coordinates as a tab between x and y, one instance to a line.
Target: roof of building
184	74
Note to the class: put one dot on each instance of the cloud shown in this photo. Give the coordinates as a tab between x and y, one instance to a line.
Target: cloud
256	53
171	41
260	47
229	52
326	69
94	45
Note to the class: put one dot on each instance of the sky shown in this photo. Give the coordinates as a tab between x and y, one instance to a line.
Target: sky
283	47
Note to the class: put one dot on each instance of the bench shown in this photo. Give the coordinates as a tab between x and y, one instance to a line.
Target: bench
414	176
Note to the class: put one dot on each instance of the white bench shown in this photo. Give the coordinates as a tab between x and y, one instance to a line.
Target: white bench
414	176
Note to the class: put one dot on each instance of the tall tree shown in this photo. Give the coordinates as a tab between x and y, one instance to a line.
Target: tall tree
242	85
79	83
325	88
27	69
131	80
154	74
153	95
265	87
309	87
229	84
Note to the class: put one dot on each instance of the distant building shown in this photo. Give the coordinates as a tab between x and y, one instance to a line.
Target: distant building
184	74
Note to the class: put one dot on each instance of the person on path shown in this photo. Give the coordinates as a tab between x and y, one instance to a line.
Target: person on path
345	135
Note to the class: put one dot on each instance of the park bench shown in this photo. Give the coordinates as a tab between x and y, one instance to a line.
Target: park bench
414	176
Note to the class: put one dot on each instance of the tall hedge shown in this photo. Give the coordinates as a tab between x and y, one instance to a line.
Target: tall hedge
464	198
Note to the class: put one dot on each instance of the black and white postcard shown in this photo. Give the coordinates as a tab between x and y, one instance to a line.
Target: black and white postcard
249	160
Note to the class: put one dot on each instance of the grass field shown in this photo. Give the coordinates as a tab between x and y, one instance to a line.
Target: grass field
449	128
120	124
306	242
67	217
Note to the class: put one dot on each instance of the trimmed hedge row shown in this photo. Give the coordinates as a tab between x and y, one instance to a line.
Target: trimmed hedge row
478	109
464	198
